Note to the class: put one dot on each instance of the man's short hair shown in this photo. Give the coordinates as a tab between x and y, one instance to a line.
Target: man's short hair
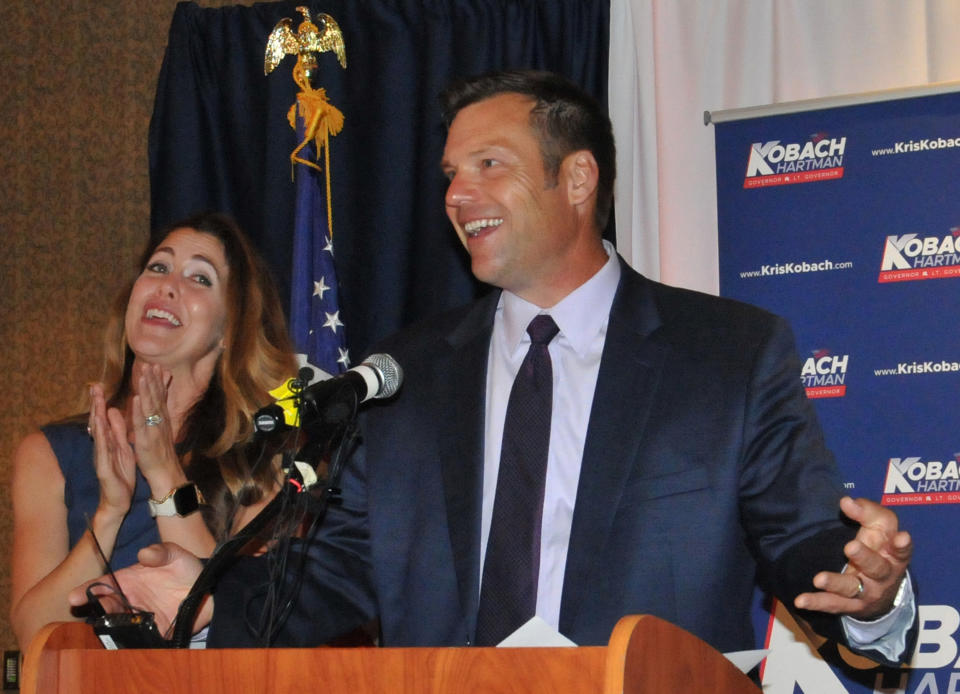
565	118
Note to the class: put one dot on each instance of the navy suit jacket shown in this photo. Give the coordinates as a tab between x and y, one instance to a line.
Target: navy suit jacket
704	470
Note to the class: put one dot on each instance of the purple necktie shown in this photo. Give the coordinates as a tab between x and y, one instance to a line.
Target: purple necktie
508	591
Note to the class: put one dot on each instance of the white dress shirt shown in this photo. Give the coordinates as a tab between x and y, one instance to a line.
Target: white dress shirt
575	352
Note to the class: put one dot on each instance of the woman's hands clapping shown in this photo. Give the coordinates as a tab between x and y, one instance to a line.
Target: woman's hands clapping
151	434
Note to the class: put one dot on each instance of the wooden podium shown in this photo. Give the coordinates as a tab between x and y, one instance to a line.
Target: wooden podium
645	655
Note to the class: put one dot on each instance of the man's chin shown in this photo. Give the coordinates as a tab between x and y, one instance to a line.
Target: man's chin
483	274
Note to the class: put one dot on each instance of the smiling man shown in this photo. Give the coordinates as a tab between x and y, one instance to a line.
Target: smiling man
529	230
582	443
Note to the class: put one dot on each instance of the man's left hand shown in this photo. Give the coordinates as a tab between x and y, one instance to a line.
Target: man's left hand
877	561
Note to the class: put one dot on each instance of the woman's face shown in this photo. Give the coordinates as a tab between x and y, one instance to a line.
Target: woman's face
177	310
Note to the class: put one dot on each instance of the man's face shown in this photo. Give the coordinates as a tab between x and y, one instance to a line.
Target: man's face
516	221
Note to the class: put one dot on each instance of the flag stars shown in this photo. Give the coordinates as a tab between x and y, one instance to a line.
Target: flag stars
333	321
320	287
344	358
329	247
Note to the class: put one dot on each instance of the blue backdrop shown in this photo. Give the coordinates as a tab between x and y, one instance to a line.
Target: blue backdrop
219	137
846	220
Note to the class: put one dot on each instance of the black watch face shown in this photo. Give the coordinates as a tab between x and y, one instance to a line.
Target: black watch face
185	500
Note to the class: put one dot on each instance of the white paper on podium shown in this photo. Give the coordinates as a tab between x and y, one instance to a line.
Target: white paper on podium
536	633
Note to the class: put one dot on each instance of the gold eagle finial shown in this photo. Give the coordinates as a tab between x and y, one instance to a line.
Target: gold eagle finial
306	42
321	119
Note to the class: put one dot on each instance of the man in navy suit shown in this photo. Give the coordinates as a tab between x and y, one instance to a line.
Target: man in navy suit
684	463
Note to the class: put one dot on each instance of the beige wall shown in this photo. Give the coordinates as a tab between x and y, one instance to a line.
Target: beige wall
77	81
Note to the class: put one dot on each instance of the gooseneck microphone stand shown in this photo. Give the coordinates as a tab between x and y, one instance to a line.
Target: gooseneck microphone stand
336	438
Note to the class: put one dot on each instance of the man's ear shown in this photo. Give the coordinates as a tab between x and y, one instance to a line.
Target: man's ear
581	174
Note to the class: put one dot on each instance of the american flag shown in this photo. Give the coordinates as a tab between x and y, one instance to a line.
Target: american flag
315	323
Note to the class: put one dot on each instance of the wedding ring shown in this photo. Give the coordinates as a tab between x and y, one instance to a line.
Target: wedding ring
153	420
859	588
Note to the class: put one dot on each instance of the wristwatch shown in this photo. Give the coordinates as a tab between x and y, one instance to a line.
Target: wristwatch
179	501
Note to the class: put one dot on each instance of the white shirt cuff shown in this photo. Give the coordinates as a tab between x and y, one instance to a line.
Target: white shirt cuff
888	634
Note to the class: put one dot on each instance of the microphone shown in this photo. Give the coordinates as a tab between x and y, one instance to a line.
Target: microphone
334	399
379	376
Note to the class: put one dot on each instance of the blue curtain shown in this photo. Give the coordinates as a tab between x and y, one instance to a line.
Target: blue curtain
219	137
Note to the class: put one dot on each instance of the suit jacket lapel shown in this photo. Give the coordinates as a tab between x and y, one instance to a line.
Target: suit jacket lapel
626	386
463	400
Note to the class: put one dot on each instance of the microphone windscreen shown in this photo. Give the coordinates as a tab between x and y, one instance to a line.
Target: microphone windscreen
391	375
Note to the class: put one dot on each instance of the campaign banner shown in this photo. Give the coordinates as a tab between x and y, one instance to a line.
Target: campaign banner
844	217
